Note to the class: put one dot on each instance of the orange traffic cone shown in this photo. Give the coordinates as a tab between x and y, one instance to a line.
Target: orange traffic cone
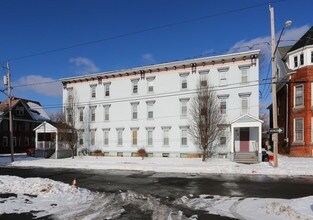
74	183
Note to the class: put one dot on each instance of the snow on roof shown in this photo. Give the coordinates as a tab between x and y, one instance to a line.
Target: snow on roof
34	108
37	111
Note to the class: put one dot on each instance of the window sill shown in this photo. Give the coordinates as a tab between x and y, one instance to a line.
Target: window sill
150	119
298	107
298	143
184	146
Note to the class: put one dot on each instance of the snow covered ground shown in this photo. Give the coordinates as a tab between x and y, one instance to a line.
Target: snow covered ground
44	197
286	166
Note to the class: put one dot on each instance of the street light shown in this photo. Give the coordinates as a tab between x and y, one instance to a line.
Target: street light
274	80
286	25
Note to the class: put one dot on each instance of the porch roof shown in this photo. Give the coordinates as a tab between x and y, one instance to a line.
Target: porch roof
246	121
52	127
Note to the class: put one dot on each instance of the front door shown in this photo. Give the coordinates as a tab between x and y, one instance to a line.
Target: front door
244	140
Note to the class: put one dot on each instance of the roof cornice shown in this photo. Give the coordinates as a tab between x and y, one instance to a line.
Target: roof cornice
204	61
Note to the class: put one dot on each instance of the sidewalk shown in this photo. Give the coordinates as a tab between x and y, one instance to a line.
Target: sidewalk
287	166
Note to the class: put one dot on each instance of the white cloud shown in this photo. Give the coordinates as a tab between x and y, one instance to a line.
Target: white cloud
84	65
40	84
148	58
263	43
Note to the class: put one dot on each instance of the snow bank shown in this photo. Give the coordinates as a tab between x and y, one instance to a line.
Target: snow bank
251	208
45	197
287	166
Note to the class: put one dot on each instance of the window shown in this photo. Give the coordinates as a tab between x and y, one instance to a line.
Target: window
150	85
299	126
93	113
183	80
107	89
134	136
244	105
183	107
150	109
166	139
134	106
150	136
69	94
81	137
223	106
311	56
106	137
299	95
119	136
93	91
106	112
19	111
69	115
93	137
222	140
183	140
135	86
26	126
204	78
26	141
5	141
311	129
244	75
301	59
81	114
223	78
295	61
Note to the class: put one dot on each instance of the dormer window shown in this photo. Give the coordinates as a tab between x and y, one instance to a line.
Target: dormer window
19	111
295	61
301	59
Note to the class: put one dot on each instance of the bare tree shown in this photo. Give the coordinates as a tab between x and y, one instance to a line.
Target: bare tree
205	119
57	116
70	110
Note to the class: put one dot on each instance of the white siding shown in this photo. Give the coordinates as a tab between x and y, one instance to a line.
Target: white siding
167	95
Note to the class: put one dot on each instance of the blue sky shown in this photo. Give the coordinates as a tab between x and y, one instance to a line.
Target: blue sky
33	26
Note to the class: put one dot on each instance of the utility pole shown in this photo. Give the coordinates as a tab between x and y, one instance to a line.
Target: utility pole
7	82
274	80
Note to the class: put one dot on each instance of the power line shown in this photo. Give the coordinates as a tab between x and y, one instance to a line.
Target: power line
141	31
186	58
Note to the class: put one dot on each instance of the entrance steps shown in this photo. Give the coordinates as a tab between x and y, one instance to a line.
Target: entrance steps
246	157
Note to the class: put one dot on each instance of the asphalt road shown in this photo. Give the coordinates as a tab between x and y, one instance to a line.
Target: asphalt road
169	186
175	185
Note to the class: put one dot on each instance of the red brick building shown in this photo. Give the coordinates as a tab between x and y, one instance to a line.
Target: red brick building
27	115
294	96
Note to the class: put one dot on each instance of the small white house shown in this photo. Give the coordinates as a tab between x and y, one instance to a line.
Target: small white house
50	140
121	111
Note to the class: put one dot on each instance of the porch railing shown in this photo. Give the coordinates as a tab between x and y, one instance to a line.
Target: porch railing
45	145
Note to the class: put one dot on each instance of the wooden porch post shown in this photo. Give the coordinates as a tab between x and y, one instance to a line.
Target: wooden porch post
56	144
232	139
36	139
260	138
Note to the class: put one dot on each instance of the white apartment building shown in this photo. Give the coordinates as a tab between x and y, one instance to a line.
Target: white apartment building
121	111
